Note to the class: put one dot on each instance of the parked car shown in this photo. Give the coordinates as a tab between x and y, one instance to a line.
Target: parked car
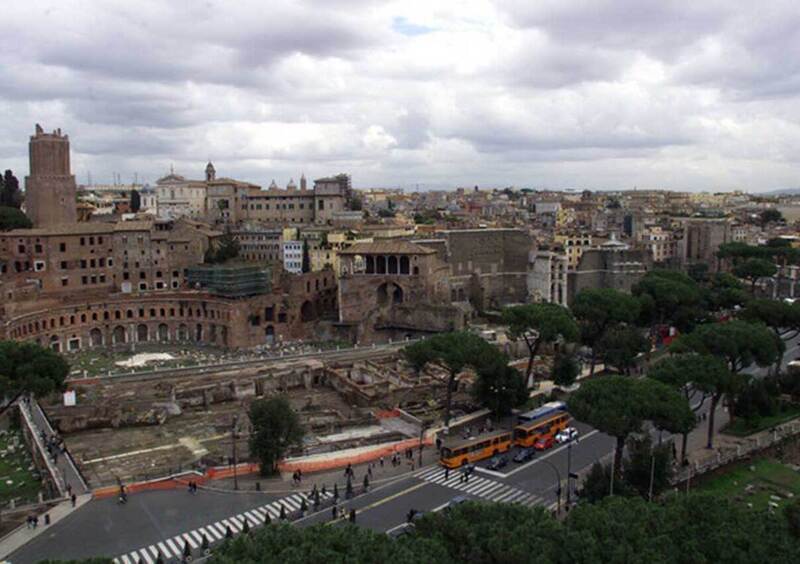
455	502
524	455
497	462
543	443
567	435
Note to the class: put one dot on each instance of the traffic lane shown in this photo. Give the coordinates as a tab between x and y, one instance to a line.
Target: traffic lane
540	478
390	491
792	350
513	467
106	528
385	516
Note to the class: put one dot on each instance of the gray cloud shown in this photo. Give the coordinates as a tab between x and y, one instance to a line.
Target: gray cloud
597	94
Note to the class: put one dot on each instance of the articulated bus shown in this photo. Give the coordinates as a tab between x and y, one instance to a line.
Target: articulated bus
547	425
457	453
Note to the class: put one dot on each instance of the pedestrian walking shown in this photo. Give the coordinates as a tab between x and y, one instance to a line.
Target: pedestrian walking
228	532
69	490
283	512
206	545
352	515
333	513
303	507
187	551
381	462
369	471
335	492
366	482
35	521
73	498
299	474
446	474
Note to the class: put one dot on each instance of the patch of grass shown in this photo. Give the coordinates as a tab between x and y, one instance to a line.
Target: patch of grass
744	427
755	483
17	482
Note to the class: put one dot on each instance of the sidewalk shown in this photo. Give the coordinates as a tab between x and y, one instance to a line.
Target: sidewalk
22	534
282	483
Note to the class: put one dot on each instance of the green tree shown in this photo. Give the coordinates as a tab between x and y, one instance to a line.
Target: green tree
12	218
619	406
482	533
276	429
285	544
668	297
27	368
10	196
456	351
695	528
770	215
782	318
565	370
739	344
725	292
792	513
620	346
306	257
597	484
647	465
692	374
539	324
224	249
500	387
755	269
136	201
598	310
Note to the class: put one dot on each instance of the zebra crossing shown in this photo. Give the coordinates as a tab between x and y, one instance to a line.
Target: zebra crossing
173	548
479	486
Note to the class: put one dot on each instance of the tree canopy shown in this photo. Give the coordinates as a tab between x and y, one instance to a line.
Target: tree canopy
13	218
620	346
538	324
27	368
456	351
500	387
276	429
10	196
754	269
598	310
619	405
738	342
224	249
668	297
616	530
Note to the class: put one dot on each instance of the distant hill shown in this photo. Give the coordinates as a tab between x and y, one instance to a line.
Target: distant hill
783	192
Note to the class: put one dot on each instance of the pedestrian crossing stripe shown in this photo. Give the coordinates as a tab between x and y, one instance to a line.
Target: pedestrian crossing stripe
215	532
479	486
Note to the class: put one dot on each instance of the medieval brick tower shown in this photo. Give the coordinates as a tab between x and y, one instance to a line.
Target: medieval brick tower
50	188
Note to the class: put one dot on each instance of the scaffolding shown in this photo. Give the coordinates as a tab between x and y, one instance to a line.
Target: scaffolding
231	281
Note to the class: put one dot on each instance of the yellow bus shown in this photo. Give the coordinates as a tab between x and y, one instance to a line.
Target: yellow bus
525	434
457	452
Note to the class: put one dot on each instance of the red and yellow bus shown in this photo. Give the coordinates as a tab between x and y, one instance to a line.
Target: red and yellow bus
525	434
457	452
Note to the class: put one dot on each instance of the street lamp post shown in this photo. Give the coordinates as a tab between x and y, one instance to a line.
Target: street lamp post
558	485
422	429
235	461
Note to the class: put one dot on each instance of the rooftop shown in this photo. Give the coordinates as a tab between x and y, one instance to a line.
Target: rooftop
387	247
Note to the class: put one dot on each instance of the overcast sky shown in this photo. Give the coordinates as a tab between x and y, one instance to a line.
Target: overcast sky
596	94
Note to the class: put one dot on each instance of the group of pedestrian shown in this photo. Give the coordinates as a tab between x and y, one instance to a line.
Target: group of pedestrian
32	521
54	444
192	487
297	477
464	477
348	472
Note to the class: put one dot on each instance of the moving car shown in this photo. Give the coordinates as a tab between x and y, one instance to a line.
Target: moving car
543	443
497	462
567	435
524	455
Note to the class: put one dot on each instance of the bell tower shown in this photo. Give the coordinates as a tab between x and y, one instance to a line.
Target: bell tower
50	191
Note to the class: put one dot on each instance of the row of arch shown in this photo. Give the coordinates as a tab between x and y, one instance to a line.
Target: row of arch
142	333
34	326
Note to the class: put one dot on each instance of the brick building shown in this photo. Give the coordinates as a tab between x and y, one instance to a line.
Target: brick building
50	191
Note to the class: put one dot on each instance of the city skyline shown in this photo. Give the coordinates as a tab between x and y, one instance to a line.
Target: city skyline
599	96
